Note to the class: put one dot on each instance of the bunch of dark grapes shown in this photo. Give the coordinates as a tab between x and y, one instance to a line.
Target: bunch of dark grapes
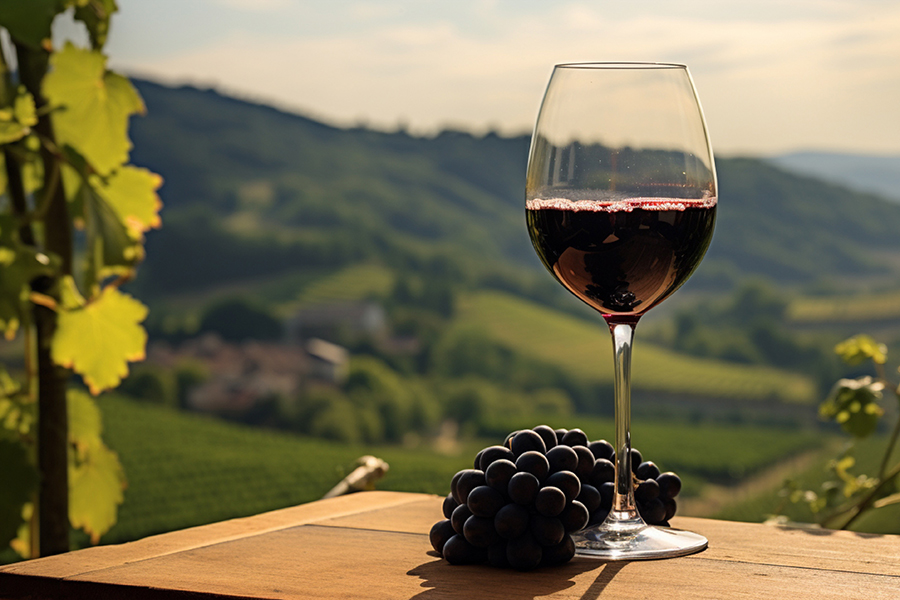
522	501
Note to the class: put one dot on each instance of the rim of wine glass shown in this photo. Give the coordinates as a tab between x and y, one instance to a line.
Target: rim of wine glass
621	65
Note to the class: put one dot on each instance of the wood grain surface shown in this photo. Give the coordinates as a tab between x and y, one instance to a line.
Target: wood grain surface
374	545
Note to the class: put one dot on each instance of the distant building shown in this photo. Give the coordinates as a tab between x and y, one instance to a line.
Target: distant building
327	361
240	375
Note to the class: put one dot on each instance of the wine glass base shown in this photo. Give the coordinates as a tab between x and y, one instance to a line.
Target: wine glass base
645	543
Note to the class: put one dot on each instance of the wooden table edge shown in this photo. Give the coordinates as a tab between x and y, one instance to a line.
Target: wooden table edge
97	558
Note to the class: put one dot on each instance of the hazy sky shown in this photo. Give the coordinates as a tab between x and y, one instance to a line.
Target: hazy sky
773	75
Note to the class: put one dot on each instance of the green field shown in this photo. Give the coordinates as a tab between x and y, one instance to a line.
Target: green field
584	349
352	283
187	469
868	455
845	309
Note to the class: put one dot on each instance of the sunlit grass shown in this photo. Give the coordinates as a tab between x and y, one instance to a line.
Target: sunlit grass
583	348
352	283
186	469
869	307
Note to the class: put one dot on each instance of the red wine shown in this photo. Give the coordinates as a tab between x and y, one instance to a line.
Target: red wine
624	257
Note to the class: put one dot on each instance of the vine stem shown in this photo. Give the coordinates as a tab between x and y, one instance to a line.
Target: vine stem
892	442
53	423
860	507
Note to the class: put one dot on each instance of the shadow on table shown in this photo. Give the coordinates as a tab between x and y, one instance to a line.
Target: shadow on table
444	580
819	531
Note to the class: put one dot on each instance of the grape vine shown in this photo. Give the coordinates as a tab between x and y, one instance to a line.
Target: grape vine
855	404
73	214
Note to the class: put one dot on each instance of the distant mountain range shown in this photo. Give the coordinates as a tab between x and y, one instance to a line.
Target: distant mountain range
251	191
867	173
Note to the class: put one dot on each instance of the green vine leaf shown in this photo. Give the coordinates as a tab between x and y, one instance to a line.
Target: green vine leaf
32	170
853	404
95	14
16	121
98	339
19	264
30	22
19	483
113	250
85	420
22	543
18	412
96	478
860	348
131	193
93	106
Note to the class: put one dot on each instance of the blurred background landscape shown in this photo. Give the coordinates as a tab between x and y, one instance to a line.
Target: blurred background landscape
360	281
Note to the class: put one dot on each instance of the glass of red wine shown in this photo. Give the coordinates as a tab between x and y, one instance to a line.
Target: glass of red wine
620	205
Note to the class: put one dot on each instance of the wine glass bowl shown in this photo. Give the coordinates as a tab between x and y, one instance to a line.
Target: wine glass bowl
621	199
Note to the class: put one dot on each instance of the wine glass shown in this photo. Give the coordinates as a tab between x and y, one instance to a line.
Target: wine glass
620	203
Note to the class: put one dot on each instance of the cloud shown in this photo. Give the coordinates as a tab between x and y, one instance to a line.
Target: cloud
829	79
255	5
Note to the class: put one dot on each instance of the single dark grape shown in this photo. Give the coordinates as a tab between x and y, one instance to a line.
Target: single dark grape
511	521
524	553
601	449
547	434
453	483
568	482
574	437
468	481
671	507
560	433
607	493
457	551
440	533
585	462
485	501
559	554
562	458
523	488
459	516
646	491
497	555
603	472
494	453
508	441
669	484
653	511
480	532
535	463
636	460
449	505
499	473
476	464
527	440
574	516
550	501
590	497
647	470
547	531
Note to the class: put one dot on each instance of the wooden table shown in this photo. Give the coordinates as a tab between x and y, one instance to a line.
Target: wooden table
375	545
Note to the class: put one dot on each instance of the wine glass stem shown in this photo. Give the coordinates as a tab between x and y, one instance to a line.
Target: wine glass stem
623	508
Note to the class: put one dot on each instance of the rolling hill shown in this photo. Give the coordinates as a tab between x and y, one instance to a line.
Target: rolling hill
254	192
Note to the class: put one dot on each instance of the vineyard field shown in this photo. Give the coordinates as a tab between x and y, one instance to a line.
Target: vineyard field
186	469
584	349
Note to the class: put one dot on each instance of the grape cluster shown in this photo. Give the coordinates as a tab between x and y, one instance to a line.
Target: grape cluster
521	501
